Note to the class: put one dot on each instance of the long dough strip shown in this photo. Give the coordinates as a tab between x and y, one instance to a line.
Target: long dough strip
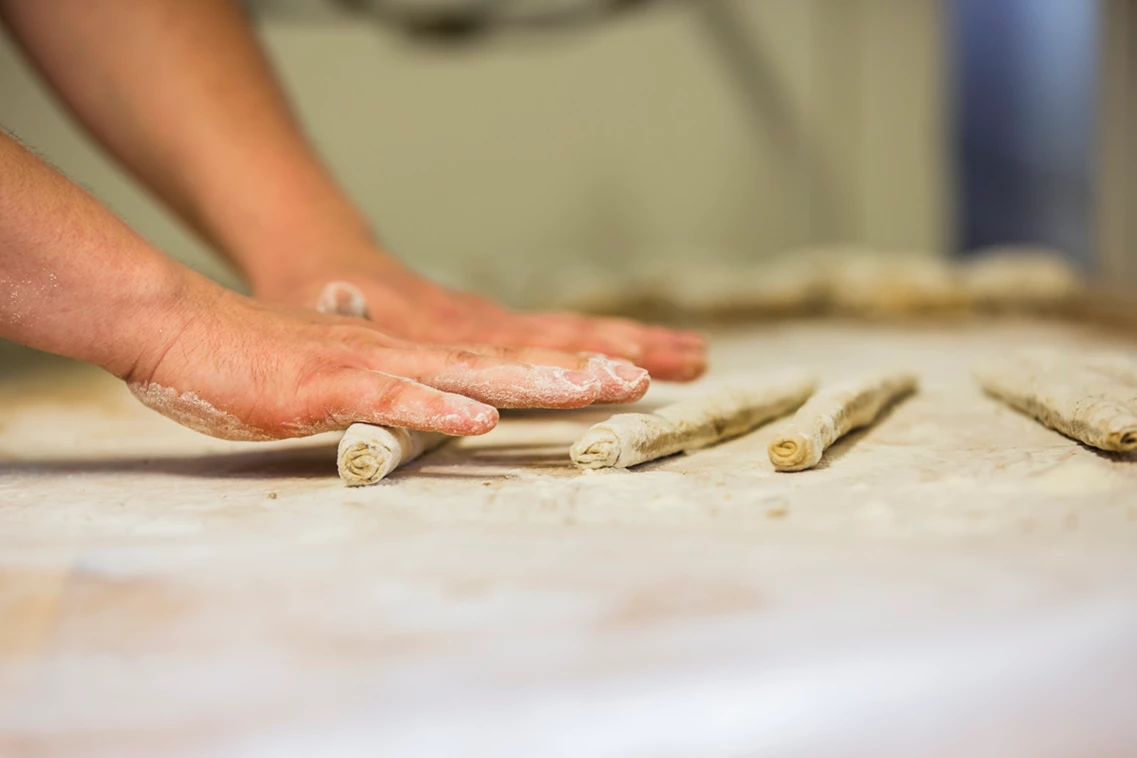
834	412
628	439
1117	367
1017	278
367	453
1088	407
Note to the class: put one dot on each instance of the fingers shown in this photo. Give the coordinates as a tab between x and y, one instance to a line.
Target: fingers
508	383
689	338
537	356
620	381
547	339
614	330
675	355
499	382
347	396
675	365
676	337
577	334
665	353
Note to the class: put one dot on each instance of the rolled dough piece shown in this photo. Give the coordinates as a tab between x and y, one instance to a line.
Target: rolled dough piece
834	412
1088	406
879	286
776	286
1021	278
628	439
368	453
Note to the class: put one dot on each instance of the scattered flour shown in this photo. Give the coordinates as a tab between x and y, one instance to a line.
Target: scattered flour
512	386
616	386
1079	478
191	411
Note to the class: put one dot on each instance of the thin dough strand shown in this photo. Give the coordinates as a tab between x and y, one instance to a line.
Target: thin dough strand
629	439
834	412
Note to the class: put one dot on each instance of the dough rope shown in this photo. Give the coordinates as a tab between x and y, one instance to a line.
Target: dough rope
834	412
1079	401
369	453
629	439
1021	278
883	287
845	280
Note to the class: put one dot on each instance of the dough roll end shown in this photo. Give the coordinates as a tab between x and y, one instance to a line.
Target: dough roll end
1124	440
363	463
367	454
598	448
794	451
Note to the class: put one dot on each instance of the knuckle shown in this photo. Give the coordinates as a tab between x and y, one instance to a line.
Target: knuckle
462	359
391	392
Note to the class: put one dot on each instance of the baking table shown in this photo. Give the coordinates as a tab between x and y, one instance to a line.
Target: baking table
956	580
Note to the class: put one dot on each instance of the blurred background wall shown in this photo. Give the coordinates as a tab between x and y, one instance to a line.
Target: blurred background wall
720	129
521	162
1116	156
1026	74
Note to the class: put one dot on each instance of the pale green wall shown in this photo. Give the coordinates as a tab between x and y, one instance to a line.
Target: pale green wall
623	145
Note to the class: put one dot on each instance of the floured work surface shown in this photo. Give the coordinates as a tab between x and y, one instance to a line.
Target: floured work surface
162	593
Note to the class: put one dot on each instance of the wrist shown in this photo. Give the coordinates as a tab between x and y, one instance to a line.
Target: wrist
150	317
300	228
319	259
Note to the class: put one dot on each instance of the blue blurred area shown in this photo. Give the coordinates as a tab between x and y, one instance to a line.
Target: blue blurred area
1026	122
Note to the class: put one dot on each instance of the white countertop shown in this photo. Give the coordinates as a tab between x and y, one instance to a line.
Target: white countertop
956	580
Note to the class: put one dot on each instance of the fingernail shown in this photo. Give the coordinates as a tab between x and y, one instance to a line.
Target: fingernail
580	379
342	299
628	350
631	374
485	413
610	358
481	414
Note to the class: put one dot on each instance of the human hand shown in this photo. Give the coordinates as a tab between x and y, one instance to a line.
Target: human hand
408	306
238	369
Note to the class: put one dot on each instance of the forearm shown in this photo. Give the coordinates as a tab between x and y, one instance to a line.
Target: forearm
74	280
181	93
